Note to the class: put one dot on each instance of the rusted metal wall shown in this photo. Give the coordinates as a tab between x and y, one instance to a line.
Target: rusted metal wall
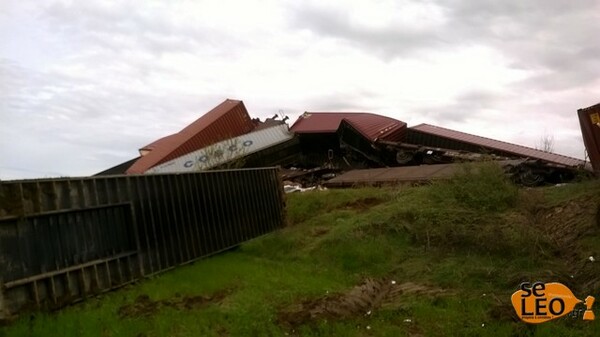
392	176
227	120
373	127
62	240
589	120
406	175
435	136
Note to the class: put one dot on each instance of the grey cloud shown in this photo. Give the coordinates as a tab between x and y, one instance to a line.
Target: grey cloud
102	106
555	39
389	42
479	98
446	114
352	101
91	123
129	26
466	105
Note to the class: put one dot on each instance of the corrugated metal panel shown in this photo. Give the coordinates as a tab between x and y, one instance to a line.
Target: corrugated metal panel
226	151
319	122
393	175
401	175
370	125
376	127
229	119
589	119
488	143
158	143
62	240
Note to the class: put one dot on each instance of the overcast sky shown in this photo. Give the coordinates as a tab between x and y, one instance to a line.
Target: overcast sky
84	84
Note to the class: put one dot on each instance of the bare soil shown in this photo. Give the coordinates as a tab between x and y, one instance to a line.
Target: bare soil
360	300
567	226
144	306
319	231
568	223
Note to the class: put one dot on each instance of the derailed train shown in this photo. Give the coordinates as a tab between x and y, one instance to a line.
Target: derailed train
334	142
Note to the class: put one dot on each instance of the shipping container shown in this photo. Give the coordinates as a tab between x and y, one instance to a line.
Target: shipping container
589	120
118	169
435	136
226	151
520	171
229	119
64	240
373	127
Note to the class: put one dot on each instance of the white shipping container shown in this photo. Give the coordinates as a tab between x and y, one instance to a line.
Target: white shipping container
225	151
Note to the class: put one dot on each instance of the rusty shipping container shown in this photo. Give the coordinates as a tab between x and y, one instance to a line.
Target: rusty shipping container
435	136
373	127
227	120
392	176
589	120
326	137
406	175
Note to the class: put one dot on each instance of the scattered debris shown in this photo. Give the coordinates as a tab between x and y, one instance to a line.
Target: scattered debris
521	171
322	148
291	187
308	177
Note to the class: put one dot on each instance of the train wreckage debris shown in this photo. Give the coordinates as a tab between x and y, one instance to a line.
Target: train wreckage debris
344	149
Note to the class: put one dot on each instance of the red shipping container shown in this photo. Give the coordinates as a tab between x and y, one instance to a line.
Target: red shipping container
227	120
589	119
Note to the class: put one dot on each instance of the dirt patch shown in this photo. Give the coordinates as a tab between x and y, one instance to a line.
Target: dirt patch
222	331
358	301
144	306
568	223
566	226
503	312
363	204
319	231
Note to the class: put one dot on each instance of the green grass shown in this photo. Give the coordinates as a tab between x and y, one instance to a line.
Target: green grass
557	194
439	235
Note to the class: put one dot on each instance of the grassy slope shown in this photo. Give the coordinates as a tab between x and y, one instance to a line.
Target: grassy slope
469	237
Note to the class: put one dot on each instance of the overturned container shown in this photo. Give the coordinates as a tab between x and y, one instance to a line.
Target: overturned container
589	119
232	150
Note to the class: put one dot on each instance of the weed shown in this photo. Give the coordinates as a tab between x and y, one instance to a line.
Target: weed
473	236
482	187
